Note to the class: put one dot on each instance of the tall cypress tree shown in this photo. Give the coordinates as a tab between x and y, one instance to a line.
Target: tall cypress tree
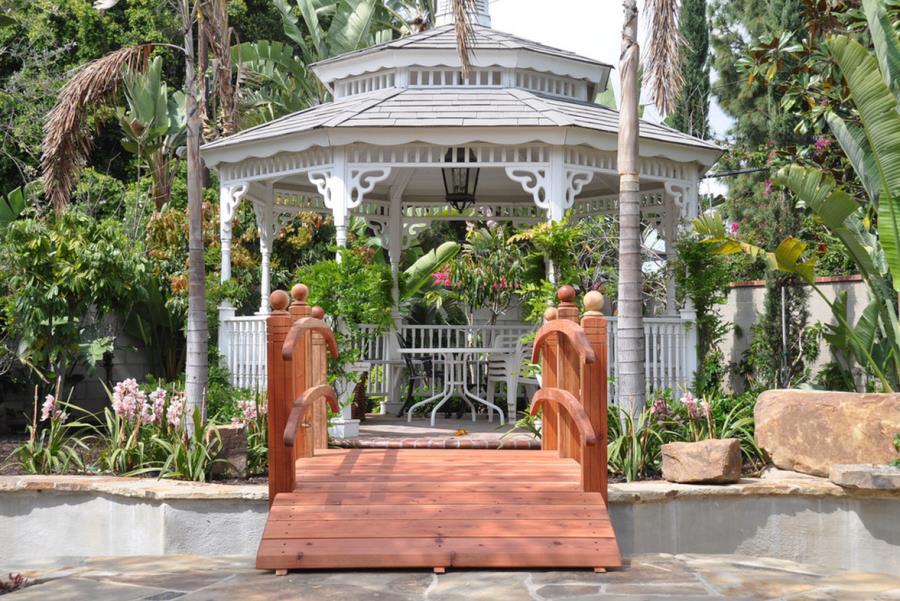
692	109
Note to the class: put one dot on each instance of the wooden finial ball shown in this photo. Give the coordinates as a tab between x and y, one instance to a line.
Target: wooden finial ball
550	314
594	301
566	294
300	293
318	313
279	300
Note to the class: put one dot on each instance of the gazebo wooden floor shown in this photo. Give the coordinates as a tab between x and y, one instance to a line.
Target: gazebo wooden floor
418	508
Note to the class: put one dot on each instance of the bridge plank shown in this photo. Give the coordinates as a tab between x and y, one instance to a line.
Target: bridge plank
444	552
411	527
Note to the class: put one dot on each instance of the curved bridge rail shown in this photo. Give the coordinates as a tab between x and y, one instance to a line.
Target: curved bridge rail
573	398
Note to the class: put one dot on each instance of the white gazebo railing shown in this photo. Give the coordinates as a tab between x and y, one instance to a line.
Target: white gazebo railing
670	349
242	344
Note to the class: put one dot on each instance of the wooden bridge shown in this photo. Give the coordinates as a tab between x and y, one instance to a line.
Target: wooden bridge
436	509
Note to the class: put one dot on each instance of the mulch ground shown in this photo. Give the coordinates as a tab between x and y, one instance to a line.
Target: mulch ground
8	464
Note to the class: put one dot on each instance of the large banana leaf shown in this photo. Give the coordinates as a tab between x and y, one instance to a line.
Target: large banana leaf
884	39
877	109
832	206
413	279
351	26
853	142
865	341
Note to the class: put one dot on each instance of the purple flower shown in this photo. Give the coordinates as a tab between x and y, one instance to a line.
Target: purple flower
734	227
768	189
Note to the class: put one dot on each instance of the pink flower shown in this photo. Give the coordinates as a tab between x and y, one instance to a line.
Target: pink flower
734	227
175	411
155	409
129	400
49	409
822	144
442	278
707	410
768	189
690	402
660	408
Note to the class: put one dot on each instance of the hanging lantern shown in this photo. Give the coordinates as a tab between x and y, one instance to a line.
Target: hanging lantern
460	183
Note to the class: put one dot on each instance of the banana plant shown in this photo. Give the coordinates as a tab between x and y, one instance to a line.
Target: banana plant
153	126
12	205
871	143
421	272
274	82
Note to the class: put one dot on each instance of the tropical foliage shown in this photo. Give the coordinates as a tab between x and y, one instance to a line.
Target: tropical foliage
870	138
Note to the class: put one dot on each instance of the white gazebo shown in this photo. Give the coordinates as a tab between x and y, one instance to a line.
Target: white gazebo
524	125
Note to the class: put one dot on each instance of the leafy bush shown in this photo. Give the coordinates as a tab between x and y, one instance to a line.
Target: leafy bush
64	274
56	448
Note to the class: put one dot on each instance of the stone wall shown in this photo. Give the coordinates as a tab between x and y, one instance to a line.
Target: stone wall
784	516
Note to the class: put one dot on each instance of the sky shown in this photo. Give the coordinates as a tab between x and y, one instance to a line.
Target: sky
591	28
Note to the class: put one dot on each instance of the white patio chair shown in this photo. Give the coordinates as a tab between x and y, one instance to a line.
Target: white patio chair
505	368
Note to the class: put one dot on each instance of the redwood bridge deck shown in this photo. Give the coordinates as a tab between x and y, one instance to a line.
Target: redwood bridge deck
438	508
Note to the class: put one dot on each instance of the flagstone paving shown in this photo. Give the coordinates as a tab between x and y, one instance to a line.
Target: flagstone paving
645	577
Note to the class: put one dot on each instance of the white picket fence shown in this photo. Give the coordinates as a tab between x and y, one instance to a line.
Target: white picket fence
670	349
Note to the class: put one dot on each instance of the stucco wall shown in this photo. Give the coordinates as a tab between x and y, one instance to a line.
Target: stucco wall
806	520
745	305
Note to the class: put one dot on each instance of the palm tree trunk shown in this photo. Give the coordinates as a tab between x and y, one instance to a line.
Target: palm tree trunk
197	363
630	334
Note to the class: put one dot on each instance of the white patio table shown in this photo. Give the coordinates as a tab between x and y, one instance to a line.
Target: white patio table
455	361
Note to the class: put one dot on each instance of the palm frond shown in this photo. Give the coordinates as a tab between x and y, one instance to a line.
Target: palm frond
67	141
218	35
662	72
465	33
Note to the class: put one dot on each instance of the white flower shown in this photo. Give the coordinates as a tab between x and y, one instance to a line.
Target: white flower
105	4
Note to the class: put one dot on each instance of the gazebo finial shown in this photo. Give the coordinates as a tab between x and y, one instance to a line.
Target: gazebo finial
481	16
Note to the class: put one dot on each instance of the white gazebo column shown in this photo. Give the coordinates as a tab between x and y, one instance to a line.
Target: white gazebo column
230	198
685	205
553	187
344	187
670	237
266	224
394	367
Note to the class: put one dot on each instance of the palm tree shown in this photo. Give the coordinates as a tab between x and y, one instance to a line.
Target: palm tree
664	80
66	147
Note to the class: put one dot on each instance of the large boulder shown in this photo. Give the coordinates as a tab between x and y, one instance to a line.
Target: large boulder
809	431
709	461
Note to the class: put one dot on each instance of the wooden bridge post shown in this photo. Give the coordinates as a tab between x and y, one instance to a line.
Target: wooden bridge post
280	394
595	391
549	366
568	374
300	367
319	377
